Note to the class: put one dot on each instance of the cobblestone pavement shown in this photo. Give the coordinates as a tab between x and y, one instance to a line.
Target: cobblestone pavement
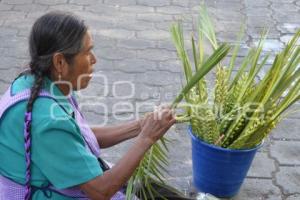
133	45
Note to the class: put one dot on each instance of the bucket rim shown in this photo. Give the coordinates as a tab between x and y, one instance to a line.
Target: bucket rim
221	148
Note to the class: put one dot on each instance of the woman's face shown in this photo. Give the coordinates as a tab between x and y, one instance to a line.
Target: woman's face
80	72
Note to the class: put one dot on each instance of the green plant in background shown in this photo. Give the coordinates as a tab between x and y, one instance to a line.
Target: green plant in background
243	110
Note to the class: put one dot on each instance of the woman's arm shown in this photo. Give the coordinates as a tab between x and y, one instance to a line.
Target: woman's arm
105	186
108	136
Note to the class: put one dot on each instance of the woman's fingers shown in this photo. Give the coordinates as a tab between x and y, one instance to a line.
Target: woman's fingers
156	124
163	115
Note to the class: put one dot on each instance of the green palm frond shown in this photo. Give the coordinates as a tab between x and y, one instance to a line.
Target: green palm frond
221	91
211	62
281	87
177	36
235	54
153	165
245	108
206	27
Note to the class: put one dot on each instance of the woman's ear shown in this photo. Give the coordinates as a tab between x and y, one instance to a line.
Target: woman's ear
59	63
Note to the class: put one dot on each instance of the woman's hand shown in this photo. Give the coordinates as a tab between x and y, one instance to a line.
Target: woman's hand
154	125
142	121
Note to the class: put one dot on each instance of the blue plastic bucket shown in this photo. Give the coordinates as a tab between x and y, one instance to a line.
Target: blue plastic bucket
219	171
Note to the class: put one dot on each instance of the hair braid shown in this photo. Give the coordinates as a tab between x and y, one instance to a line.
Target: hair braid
27	130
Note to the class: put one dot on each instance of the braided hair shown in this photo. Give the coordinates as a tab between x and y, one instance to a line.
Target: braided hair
51	33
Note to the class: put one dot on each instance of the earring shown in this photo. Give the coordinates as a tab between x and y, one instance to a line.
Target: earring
61	82
59	77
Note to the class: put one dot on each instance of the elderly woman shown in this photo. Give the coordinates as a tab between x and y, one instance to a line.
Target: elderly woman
47	151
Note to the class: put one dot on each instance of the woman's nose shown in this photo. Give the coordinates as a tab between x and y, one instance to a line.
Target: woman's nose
93	59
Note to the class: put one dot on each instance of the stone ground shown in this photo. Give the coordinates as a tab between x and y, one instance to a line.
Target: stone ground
138	62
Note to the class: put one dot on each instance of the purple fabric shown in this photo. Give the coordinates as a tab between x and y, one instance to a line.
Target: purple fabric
86	131
10	190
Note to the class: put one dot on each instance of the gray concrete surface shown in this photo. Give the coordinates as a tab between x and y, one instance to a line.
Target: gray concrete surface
132	43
